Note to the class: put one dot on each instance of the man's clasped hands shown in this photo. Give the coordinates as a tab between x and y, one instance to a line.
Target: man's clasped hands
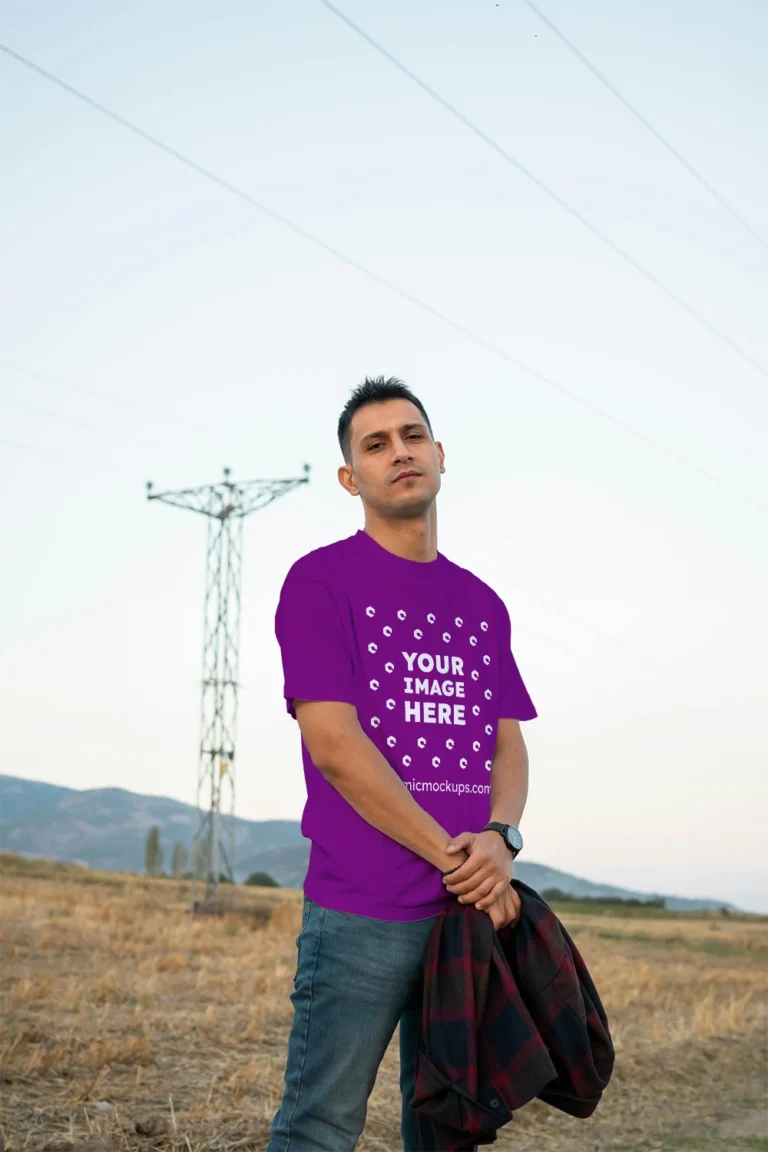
484	877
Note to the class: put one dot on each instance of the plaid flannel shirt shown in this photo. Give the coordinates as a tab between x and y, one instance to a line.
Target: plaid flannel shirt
506	1017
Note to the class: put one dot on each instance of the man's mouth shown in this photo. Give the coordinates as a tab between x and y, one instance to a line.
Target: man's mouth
406	476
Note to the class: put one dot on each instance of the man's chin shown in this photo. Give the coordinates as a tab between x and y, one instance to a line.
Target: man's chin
410	509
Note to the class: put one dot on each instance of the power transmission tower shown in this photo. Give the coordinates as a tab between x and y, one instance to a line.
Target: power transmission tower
226	505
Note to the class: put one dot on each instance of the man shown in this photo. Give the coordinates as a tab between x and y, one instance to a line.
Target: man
399	671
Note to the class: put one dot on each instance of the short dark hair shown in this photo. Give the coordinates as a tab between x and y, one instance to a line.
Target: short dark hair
373	390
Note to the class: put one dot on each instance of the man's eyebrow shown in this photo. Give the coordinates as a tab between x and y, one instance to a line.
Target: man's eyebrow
383	435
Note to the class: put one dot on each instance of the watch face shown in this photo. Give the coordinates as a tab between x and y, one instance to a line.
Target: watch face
514	839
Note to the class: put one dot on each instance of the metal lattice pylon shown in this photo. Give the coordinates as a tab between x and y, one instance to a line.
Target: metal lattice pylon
226	505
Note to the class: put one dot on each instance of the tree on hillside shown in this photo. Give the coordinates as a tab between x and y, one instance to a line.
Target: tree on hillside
153	853
200	860
179	860
556	894
262	880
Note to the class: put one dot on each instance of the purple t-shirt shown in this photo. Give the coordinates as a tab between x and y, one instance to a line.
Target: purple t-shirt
422	651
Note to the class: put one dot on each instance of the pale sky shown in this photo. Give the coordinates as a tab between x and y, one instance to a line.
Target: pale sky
636	586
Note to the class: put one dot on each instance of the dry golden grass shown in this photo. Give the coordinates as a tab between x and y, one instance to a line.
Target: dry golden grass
128	1023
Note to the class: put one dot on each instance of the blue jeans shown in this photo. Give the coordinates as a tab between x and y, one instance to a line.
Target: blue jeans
356	978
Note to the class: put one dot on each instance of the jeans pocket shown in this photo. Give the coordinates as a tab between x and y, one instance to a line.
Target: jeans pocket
305	912
306	909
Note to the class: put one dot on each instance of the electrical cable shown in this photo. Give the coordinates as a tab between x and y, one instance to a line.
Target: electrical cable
601	236
136	405
646	123
96	427
382	281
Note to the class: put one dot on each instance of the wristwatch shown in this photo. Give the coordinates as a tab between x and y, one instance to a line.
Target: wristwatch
512	837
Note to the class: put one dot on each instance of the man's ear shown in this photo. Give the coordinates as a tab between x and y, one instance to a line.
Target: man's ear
347	480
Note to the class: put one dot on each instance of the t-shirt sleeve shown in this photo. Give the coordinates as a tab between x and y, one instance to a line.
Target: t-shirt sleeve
314	646
514	703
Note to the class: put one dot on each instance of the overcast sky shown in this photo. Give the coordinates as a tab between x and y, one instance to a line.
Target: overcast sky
215	336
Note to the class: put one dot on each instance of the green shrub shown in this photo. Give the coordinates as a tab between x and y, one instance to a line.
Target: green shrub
262	880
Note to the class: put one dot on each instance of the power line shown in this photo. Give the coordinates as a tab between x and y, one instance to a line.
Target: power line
138	407
383	282
547	601
557	643
94	427
578	656
503	580
31	448
27	447
646	123
653	279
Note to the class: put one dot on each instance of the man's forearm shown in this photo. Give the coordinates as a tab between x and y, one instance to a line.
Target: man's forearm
363	776
509	782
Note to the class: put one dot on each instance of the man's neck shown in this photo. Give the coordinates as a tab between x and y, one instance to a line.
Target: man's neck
410	539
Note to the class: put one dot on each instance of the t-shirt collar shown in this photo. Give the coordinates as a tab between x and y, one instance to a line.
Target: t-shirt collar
398	566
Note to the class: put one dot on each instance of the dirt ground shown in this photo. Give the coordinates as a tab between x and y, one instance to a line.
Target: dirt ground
129	1024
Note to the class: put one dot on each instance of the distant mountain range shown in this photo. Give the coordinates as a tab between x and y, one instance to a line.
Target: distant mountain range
106	828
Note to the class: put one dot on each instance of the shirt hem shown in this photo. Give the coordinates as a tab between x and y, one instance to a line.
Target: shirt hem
392	913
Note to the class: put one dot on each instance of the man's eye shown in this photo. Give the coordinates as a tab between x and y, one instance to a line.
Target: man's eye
412	436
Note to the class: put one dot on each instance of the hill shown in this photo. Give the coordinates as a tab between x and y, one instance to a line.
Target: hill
106	828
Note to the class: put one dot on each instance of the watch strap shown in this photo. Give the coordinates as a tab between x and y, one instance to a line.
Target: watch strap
497	826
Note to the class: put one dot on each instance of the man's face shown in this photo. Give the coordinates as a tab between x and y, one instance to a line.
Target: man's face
388	439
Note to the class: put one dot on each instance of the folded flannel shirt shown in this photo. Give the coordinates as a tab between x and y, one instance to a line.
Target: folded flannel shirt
506	1017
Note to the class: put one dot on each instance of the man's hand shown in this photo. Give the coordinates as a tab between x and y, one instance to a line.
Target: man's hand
486	874
505	910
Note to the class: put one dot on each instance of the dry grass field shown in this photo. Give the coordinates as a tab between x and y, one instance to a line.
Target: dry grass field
130	1024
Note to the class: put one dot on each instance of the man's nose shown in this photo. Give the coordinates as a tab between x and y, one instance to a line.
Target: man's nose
401	450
